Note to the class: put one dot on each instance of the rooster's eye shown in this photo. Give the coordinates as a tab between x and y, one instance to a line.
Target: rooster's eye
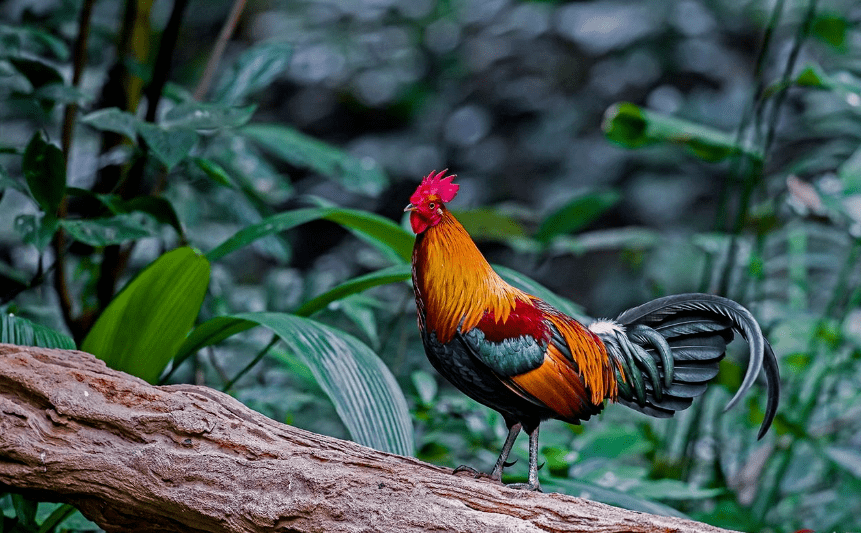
431	206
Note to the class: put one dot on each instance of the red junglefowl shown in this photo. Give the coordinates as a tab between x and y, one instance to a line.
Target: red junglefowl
516	354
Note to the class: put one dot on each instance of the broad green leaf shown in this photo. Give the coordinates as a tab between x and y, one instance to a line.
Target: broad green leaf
381	230
199	116
113	119
15	39
365	394
101	232
392	274
45	171
672	489
170	146
534	288
61	94
487	223
37	231
609	496
38	73
578	213
20	331
634	127
61	514
304	151
256	68
145	324
214	171
210	332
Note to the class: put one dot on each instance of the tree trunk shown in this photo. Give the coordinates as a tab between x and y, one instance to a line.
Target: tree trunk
135	457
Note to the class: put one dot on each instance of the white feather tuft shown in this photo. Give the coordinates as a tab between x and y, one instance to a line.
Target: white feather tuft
606	327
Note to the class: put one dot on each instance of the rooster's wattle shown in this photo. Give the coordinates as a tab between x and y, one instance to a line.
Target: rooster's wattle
520	356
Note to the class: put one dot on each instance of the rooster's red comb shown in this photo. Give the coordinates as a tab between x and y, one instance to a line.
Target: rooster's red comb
438	185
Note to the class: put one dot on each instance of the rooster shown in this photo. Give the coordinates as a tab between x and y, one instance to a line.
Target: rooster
520	356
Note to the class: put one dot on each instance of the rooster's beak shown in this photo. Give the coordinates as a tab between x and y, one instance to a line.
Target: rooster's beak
410	207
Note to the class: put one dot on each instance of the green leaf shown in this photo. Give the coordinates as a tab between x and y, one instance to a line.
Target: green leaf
7	182
490	224
381	230
831	28
627	238
392	274
145	324
300	150
20	331
365	394
169	146
57	517
673	489
113	119
45	171
634	127
106	231
15	39
61	94
850	174
609	496
38	73
847	458
209	333
198	116
157	207
214	171
578	213
25	510
256	68
37	231
425	385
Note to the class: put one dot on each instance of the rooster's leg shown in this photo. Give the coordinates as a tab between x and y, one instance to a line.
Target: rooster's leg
501	463
496	474
532	483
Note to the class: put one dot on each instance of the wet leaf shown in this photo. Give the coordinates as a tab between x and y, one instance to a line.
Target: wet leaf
198	116
113	119
169	146
100	232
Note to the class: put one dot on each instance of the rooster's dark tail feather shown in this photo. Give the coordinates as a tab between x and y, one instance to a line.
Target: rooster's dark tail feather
670	348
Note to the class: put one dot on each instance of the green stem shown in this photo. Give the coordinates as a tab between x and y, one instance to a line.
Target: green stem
249	366
218	51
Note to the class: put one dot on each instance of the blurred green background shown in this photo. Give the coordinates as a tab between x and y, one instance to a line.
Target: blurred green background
608	152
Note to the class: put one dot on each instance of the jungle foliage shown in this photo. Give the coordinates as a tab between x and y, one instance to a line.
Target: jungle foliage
167	218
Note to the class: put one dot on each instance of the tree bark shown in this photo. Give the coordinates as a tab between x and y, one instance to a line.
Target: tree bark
135	457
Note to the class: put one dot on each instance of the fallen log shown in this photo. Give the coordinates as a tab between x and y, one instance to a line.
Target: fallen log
136	457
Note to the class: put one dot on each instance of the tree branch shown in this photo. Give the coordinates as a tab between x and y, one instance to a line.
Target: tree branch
136	457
